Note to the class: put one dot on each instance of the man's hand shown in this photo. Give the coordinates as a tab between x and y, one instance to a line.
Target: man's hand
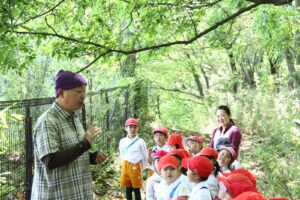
101	157
92	133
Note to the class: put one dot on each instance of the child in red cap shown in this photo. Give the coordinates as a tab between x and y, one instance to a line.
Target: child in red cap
199	168
175	142
236	183
212	182
152	183
172	188
133	153
194	144
226	157
160	136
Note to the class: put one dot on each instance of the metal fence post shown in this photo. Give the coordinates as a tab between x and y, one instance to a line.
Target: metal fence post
83	117
28	153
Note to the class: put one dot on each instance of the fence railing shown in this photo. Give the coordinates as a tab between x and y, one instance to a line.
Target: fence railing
17	119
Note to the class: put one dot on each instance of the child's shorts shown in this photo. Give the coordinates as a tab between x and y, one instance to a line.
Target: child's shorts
131	175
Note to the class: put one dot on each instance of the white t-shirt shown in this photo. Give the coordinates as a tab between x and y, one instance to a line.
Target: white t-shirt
176	189
152	186
133	150
213	185
200	192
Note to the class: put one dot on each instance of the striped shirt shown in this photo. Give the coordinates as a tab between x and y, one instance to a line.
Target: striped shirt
57	130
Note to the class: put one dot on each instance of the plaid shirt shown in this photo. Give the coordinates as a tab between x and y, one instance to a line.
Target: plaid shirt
57	130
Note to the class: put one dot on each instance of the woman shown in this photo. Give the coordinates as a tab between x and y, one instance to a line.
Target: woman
227	129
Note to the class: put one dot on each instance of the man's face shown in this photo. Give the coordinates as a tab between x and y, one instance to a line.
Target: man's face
73	99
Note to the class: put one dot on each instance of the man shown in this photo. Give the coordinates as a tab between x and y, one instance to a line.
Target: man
61	145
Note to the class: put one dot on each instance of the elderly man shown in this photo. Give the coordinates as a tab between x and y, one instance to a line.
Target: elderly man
61	157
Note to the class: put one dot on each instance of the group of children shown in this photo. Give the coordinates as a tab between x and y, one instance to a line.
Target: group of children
178	174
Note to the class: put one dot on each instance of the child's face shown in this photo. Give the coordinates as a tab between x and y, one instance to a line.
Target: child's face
193	176
131	130
224	158
170	174
223	117
194	147
160	138
156	166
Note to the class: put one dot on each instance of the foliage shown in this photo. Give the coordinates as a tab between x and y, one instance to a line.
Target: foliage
106	179
179	86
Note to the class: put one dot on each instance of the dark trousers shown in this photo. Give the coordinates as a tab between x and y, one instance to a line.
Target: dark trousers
137	193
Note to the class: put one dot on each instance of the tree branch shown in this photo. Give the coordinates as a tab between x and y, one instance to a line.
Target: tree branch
42	14
95	60
176	90
60	36
133	51
274	2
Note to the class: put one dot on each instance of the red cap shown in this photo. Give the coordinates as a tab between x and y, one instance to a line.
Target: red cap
237	183
175	139
179	152
251	196
200	164
231	150
184	162
195	137
279	198
207	151
161	130
245	173
168	161
159	154
131	121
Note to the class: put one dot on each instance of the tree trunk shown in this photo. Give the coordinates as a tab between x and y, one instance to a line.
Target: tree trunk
205	77
297	43
295	80
274	65
197	81
233	70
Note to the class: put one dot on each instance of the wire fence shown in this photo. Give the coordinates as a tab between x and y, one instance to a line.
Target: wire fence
108	108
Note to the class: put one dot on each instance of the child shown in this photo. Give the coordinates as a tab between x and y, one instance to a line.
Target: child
212	182
194	144
182	159
225	158
133	153
175	142
199	168
227	143
235	183
253	196
160	137
172	188
152	183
